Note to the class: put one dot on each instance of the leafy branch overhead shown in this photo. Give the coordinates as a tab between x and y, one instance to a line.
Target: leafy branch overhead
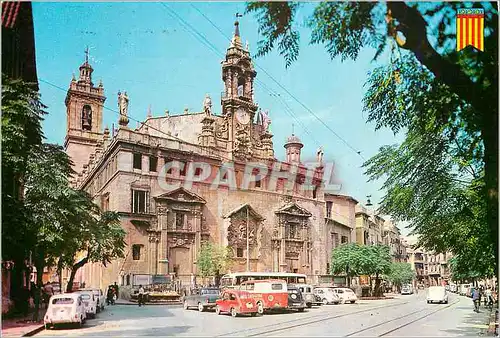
443	178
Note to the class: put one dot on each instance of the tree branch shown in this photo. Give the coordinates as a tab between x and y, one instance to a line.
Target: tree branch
413	27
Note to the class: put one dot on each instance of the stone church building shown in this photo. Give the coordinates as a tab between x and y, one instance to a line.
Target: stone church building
287	228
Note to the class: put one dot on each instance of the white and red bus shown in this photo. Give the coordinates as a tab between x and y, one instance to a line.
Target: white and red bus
233	280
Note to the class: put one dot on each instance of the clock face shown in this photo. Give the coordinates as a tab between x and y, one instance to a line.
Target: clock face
242	116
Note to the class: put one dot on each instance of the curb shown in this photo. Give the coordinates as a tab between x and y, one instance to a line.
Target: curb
34	331
153	304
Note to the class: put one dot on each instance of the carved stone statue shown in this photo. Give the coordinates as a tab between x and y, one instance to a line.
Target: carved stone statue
123	103
266	120
207	105
319	155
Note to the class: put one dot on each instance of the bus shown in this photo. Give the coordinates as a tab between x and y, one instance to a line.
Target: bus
233	280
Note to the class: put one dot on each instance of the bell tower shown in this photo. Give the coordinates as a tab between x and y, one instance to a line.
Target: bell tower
84	105
237	100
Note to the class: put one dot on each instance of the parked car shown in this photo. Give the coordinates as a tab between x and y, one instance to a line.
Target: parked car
464	288
327	296
295	299
202	299
65	308
89	301
453	288
437	294
236	302
99	295
308	294
270	294
407	289
346	295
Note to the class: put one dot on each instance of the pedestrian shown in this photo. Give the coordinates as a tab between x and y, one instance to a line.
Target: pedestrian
488	299
476	298
117	289
141	295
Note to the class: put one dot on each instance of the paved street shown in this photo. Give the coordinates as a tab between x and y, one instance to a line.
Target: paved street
404	316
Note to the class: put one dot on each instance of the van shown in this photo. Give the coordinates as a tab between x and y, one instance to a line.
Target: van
270	294
437	294
65	308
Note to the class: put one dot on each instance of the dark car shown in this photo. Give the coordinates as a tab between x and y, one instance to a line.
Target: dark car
202	299
295	299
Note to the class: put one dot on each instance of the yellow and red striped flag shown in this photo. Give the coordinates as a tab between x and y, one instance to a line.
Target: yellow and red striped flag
470	28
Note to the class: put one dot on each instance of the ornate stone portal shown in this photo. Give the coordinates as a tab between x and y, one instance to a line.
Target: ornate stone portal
291	239
181	228
244	225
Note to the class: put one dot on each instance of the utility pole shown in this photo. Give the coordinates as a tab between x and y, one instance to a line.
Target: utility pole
248	245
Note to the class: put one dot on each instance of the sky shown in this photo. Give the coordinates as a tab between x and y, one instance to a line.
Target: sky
148	50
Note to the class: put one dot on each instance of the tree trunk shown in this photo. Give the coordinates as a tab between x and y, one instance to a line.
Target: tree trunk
40	265
376	291
74	269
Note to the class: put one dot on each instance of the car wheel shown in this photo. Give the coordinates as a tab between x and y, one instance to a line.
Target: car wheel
325	301
186	305
353	301
446	302
309	305
201	308
253	314
428	302
260	308
217	310
233	312
301	309
47	326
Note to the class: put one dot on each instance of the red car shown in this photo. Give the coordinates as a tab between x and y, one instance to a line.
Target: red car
236	302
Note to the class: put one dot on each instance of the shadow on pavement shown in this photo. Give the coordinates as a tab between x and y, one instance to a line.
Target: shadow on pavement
159	331
475	324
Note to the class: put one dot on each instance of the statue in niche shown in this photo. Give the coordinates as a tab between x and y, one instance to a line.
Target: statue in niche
266	121
319	155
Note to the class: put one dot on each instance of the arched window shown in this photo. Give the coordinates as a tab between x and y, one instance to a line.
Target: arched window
86	117
241	86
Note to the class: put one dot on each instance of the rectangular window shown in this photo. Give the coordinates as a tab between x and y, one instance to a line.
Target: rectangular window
136	252
276	286
344	239
239	252
335	239
137	161
293	230
329	209
327	268
153	163
180	218
140	201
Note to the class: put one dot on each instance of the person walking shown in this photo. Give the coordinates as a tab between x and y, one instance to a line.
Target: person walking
476	298
141	295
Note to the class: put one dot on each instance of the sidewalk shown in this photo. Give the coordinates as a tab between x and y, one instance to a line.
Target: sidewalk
17	327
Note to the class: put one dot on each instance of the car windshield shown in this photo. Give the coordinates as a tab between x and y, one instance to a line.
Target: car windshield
209	292
293	291
60	301
348	291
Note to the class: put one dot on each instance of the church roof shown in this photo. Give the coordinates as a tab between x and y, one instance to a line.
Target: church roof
293	139
251	211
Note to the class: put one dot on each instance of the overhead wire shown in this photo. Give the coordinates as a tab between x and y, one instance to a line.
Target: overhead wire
286	90
201	37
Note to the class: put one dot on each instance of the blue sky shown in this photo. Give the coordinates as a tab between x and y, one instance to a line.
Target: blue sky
143	49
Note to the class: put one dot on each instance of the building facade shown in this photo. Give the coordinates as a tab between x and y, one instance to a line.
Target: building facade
171	180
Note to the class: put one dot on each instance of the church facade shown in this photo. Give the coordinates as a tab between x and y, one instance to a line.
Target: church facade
160	178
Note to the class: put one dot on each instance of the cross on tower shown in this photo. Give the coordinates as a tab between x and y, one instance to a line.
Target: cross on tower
87	54
293	128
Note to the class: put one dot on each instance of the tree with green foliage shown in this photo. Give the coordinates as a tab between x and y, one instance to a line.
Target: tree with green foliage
400	273
213	260
443	179
353	260
100	239
350	260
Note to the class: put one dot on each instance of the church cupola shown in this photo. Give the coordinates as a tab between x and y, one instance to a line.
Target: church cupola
86	70
293	148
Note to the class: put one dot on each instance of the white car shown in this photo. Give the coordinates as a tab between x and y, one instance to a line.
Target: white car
437	294
326	296
90	302
346	295
407	289
101	300
65	308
